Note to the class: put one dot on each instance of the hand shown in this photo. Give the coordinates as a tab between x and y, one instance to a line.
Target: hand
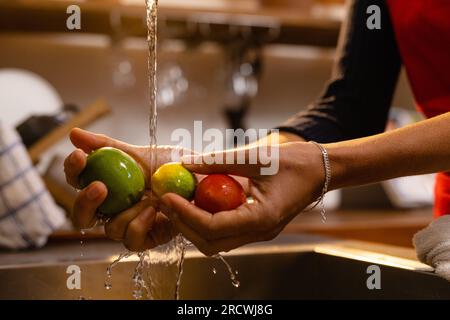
277	199
140	227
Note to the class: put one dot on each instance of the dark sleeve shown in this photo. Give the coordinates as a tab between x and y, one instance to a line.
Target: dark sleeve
356	101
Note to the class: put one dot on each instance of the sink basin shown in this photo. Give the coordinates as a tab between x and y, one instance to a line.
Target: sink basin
286	268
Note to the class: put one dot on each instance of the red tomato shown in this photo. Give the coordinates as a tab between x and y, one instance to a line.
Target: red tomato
219	192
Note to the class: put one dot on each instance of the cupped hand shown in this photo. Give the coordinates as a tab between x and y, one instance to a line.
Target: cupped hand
277	198
140	227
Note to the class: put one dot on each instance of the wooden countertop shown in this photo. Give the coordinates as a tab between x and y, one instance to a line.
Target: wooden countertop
393	227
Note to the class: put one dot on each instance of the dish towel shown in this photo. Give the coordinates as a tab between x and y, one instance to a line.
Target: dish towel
433	246
28	214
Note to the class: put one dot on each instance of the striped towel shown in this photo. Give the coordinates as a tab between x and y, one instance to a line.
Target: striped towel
28	214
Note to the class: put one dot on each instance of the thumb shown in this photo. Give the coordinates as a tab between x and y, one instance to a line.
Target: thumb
244	162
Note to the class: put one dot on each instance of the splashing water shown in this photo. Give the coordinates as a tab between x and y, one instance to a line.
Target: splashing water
82	233
156	267
152	41
108	283
181	244
163	269
234	280
177	246
138	278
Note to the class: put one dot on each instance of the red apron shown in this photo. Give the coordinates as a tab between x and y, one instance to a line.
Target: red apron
422	29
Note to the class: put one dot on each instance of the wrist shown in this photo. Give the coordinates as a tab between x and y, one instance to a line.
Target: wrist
327	164
341	161
313	168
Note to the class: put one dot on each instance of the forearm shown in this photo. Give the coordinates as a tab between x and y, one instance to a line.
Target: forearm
278	138
417	149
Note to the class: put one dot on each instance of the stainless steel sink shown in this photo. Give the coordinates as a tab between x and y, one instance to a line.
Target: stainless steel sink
287	268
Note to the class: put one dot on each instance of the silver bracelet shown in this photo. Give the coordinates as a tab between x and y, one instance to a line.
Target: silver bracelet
327	167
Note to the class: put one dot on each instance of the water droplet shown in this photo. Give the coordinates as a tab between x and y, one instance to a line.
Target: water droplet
234	281
81	243
137	294
108	284
181	244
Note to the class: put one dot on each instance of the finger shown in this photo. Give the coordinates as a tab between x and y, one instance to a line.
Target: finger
136	235
116	227
73	166
86	204
162	230
244	219
88	141
244	182
171	153
210	248
245	162
198	241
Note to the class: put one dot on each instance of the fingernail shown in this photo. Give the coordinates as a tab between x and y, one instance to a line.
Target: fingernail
93	192
72	159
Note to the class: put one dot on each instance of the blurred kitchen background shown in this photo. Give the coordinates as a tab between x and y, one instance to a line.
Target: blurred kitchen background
229	63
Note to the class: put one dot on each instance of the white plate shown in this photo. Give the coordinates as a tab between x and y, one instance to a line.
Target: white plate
23	93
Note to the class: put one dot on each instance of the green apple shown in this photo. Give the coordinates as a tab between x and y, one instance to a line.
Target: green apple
122	176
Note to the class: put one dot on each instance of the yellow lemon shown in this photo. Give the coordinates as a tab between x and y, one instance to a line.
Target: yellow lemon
174	178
